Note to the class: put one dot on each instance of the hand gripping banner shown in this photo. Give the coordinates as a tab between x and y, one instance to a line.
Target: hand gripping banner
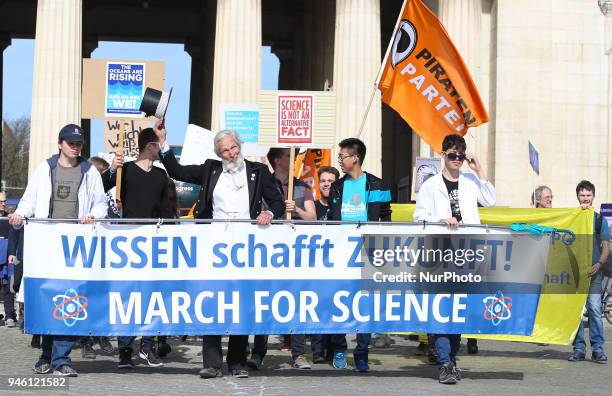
237	278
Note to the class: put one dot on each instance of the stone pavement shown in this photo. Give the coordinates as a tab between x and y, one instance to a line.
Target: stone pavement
501	368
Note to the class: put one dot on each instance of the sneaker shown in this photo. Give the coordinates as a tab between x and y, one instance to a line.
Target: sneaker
209	372
432	354
421	350
163	349
254	362
10	323
239	373
65	371
361	366
317	358
106	346
456	370
447	374
43	366
35	342
339	361
87	352
150	357
599	357
472	346
577	356
125	359
301	363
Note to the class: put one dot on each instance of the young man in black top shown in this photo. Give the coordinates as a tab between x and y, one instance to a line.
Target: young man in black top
144	194
327	175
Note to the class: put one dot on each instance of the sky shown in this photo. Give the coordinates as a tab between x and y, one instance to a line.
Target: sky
19	64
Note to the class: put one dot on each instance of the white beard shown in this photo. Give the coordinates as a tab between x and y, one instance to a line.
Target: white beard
233	165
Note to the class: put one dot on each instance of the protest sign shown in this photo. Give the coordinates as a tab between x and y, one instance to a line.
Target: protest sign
295	119
237	278
133	127
198	146
426	167
111	88
243	119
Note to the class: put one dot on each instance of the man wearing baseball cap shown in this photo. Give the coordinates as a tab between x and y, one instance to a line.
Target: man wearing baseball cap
65	186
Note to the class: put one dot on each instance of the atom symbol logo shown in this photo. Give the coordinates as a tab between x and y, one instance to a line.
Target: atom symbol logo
497	308
70	307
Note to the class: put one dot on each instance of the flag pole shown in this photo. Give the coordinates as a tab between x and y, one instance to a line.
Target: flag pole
290	184
380	70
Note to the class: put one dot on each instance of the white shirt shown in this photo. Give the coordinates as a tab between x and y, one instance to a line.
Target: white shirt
231	196
433	204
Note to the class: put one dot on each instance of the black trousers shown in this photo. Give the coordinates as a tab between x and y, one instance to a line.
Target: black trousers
212	354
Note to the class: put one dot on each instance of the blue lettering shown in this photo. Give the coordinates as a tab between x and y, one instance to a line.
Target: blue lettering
139	252
263	251
190	258
280	259
70	256
157	251
218	252
353	263
297	247
235	261
119	252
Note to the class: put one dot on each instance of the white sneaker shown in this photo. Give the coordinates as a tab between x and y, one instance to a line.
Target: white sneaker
10	323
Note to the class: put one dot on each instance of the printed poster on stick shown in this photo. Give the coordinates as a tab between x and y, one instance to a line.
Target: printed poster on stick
295	115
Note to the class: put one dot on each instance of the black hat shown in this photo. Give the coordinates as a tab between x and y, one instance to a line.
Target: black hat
155	103
72	133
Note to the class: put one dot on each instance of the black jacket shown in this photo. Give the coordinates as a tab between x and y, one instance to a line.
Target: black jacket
260	182
378	199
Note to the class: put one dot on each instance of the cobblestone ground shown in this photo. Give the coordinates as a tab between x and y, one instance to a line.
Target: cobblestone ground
501	368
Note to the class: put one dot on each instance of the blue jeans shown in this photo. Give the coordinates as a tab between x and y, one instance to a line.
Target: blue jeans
56	349
447	346
596	327
361	349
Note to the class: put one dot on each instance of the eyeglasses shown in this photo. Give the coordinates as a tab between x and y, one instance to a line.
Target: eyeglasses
343	157
454	156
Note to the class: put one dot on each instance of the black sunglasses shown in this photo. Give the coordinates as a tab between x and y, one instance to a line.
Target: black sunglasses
454	156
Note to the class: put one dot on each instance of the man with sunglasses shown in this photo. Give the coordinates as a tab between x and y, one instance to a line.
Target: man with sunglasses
65	186
452	197
144	195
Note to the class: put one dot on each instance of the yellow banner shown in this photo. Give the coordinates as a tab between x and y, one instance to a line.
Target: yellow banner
566	281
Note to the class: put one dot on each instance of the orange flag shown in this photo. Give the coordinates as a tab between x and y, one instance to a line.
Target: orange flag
307	165
425	80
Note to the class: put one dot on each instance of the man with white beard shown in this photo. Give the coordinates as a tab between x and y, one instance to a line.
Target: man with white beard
232	188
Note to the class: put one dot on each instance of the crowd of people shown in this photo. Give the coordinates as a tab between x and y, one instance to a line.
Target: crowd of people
67	186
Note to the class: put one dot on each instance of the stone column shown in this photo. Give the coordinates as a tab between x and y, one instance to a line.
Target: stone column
237	64
56	87
357	58
606	9
462	20
4	42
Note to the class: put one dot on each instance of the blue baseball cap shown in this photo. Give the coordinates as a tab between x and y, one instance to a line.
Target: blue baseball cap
72	133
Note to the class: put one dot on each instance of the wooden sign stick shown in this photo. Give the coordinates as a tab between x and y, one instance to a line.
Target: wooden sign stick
120	169
290	186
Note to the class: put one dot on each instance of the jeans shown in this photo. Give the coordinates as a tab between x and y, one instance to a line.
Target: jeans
56	349
212	354
125	343
9	303
447	346
596	327
361	350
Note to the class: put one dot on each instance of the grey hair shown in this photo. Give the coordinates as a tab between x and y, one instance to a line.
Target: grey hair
537	194
223	133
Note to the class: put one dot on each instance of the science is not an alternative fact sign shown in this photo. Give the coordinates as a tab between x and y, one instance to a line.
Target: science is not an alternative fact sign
236	278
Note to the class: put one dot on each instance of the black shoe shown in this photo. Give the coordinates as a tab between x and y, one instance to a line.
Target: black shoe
148	356
87	352
125	359
432	354
254	362
599	357
210	372
472	346
317	359
447	374
106	346
35	343
577	356
239	373
65	371
163	349
43	366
